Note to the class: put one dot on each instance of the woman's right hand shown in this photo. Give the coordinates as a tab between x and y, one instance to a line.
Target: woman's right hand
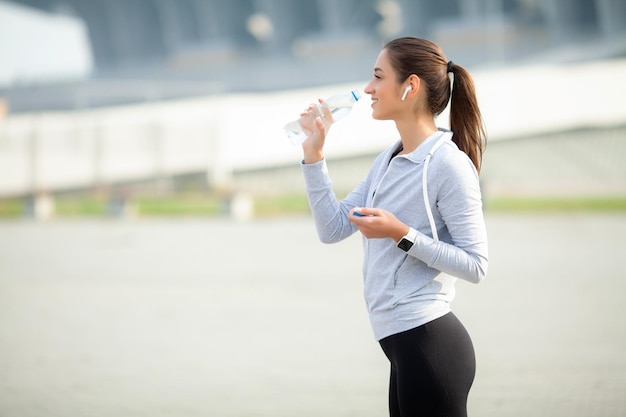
316	125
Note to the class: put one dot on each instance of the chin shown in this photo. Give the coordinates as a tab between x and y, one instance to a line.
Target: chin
377	116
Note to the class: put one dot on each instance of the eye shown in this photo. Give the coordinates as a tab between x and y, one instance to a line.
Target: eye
377	76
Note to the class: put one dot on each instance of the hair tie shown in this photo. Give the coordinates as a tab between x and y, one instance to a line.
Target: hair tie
450	63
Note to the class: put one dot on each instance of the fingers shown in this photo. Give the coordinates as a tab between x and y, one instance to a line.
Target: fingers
312	110
319	123
365	222
363	211
355	212
325	111
317	117
318	110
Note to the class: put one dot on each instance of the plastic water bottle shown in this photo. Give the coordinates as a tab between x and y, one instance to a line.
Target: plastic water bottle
339	106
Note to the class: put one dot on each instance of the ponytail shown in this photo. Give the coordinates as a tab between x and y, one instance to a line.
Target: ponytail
425	59
465	119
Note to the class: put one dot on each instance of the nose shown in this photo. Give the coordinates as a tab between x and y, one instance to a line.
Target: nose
369	89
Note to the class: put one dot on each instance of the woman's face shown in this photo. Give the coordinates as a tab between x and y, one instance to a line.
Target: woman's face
384	89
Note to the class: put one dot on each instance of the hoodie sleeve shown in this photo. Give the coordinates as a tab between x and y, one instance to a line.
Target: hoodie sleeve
330	215
459	203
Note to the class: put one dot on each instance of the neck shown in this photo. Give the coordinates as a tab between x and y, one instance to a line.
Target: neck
414	132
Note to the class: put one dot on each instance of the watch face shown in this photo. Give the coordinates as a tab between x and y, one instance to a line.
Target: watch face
405	244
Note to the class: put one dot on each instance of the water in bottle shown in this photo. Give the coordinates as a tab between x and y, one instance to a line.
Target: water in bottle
339	106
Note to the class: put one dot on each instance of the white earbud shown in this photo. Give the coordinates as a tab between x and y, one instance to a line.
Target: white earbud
406	91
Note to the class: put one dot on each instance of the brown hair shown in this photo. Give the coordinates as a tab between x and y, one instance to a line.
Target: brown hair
425	59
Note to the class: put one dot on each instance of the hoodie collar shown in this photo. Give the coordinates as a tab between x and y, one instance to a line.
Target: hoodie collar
419	154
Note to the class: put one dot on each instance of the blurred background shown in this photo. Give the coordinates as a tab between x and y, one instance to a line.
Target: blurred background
128	102
155	241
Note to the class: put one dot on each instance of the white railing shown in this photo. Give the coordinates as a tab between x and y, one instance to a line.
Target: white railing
52	151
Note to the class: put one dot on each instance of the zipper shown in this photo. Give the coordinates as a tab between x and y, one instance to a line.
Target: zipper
383	178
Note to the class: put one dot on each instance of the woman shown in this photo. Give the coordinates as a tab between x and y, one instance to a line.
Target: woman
420	213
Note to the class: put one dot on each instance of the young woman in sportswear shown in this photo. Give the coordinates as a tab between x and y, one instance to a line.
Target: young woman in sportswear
419	211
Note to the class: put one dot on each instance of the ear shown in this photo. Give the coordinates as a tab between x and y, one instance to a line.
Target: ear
415	82
413	86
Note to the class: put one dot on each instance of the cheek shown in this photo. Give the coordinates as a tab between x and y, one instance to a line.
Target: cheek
387	107
380	111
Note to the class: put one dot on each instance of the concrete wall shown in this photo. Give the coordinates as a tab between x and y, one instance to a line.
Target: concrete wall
226	136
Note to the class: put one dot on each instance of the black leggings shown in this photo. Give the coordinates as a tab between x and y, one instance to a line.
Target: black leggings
432	369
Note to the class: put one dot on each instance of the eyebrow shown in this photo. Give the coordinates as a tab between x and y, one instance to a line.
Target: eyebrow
378	70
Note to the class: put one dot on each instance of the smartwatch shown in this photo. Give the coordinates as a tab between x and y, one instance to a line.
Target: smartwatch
408	240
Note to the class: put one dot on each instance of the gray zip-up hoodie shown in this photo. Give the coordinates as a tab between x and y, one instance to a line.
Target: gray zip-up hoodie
405	290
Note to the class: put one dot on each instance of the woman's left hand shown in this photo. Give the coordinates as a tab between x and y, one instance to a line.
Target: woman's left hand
378	223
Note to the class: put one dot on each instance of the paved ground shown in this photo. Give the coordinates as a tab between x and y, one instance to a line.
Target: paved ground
212	318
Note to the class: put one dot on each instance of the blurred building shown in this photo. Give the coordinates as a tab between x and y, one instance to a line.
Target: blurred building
128	34
202	46
118	131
